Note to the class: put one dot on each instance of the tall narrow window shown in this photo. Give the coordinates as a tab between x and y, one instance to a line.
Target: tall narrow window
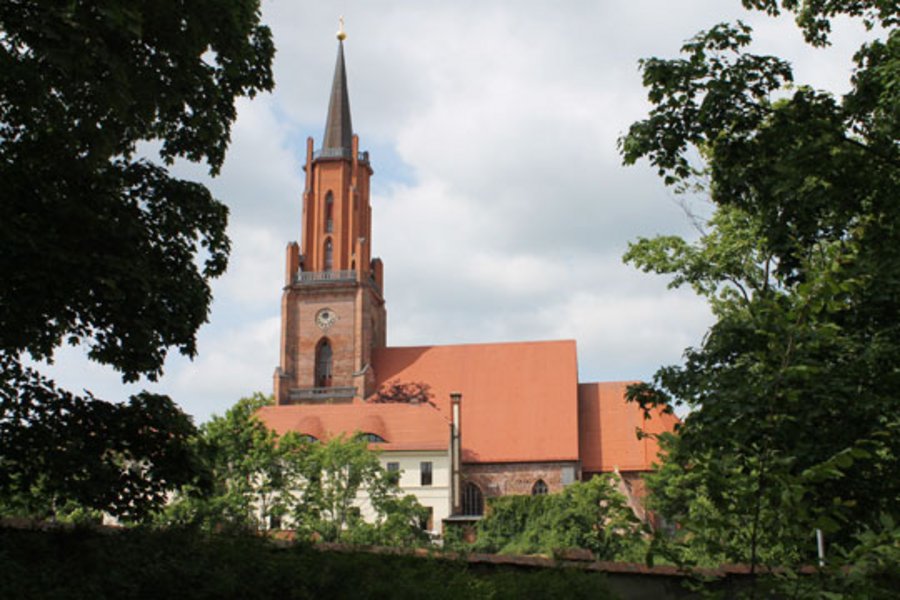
329	212
425	468
329	255
323	364
539	488
393	471
426	523
472	500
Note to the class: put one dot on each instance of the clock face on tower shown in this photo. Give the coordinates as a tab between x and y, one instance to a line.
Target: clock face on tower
325	318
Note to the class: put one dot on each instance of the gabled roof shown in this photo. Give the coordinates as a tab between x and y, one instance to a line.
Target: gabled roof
608	426
402	426
519	400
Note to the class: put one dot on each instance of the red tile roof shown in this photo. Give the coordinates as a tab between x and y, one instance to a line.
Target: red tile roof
402	426
519	400
607	429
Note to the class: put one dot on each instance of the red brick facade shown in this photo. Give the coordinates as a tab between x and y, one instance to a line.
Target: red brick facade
358	325
332	297
504	479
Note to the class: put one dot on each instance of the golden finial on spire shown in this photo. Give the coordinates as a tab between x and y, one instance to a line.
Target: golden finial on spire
341	34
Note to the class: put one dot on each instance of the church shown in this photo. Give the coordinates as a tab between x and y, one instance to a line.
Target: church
460	423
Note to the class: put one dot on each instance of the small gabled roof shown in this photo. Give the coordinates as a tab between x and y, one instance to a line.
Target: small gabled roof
519	399
608	427
402	426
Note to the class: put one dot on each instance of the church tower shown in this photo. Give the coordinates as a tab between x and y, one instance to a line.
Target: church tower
332	308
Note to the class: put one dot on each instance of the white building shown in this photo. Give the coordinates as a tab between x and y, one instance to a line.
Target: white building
413	439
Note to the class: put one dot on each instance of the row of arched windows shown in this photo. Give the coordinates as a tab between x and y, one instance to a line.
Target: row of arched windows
329	228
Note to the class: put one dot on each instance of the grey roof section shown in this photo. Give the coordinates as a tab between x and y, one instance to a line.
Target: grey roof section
338	128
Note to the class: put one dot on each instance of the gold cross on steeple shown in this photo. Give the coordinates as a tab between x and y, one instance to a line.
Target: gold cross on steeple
341	35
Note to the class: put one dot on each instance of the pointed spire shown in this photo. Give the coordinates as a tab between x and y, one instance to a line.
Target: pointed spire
338	128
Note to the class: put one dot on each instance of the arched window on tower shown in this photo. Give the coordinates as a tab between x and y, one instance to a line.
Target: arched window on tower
329	212
472	500
323	363
539	488
329	255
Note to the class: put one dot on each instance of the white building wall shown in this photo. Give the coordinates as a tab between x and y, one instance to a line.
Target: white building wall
435	496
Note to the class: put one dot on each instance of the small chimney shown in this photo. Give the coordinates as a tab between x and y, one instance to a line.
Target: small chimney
455	453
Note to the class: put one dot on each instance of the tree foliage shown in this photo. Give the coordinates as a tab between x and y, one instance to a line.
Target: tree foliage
261	481
245	469
402	392
592	515
335	474
140	563
63	454
99	245
793	392
102	247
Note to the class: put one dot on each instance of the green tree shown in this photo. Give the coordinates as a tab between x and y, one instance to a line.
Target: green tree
249	473
62	454
592	515
100	246
335	473
258	478
793	392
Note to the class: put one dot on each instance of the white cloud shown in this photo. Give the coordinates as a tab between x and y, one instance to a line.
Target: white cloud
231	364
501	209
255	270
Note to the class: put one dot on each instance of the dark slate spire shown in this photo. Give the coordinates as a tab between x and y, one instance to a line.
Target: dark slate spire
338	139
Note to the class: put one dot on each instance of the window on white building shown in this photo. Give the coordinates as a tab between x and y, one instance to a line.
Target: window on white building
427	522
425	469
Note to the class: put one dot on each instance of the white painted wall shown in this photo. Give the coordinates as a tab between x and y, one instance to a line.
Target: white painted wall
437	495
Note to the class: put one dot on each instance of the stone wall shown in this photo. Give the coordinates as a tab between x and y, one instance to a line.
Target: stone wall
506	479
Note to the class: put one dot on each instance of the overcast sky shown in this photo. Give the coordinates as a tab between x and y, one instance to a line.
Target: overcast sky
501	208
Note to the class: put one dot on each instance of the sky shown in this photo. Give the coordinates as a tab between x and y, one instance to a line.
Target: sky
501	208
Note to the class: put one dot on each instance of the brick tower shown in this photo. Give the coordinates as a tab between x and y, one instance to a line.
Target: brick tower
332	308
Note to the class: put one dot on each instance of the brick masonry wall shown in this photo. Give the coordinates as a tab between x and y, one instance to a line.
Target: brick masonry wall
505	479
359	326
340	334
